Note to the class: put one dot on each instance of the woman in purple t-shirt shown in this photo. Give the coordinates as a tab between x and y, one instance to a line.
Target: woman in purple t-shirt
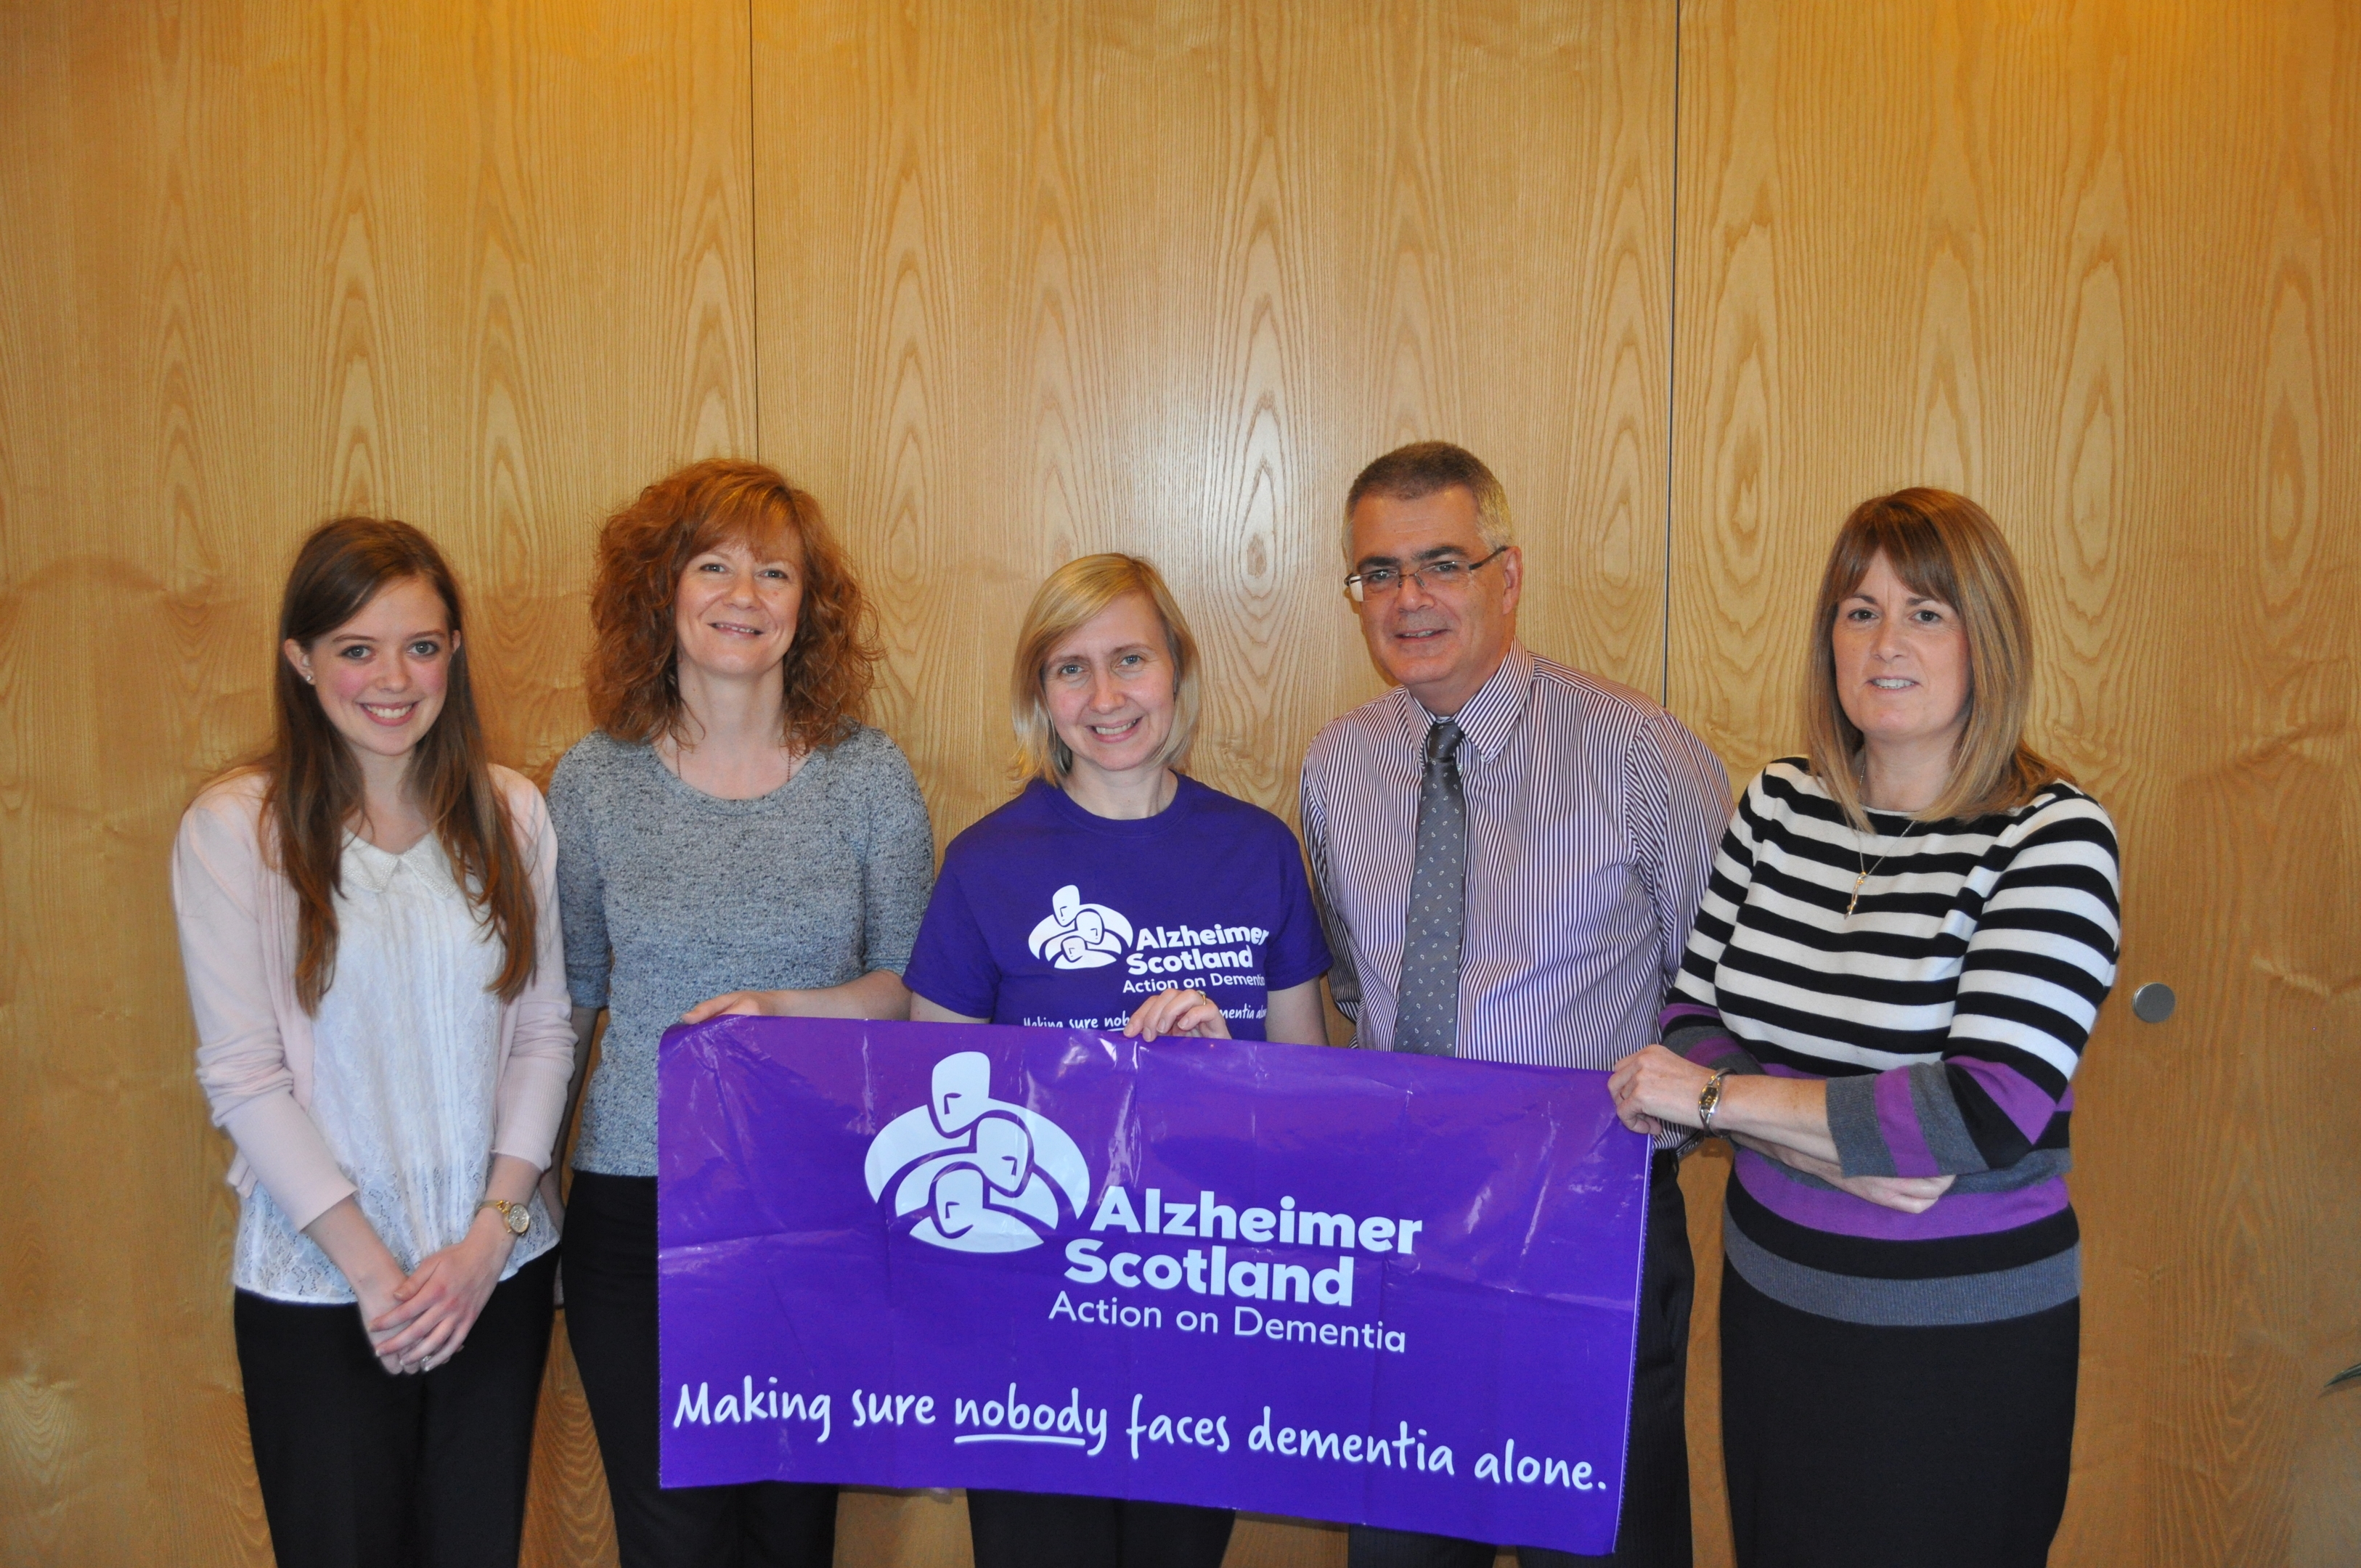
1115	892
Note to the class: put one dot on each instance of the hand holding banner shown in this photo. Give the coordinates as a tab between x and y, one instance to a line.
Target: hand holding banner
1343	1284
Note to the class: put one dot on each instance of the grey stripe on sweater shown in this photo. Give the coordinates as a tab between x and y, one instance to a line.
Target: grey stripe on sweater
1905	1303
670	896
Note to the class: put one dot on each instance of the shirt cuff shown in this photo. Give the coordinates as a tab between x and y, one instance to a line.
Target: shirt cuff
283	1148
1853	1126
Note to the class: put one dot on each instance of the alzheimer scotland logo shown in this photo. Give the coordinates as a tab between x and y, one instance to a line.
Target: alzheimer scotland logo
1077	934
985	1175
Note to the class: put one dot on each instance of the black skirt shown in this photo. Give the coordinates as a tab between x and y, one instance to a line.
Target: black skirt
1847	1445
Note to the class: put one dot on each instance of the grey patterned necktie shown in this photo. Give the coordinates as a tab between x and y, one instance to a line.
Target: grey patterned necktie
1427	1017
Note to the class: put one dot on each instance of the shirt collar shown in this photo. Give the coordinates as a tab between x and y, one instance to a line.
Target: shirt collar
1490	717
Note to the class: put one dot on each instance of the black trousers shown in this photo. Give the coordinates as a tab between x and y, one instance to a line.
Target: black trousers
1052	1530
610	1319
1854	1446
365	1468
1653	1529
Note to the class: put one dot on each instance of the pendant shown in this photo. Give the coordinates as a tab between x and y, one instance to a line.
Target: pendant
1855	902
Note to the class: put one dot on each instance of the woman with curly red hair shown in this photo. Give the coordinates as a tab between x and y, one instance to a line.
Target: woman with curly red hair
732	839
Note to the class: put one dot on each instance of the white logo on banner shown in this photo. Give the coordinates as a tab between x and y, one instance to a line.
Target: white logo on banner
1077	934
987	1173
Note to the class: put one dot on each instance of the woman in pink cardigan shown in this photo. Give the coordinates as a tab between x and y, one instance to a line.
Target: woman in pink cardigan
368	919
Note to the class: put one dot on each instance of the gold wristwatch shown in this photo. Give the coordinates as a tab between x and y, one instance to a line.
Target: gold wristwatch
515	1216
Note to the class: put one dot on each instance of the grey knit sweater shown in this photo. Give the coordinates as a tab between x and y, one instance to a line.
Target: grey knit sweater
670	896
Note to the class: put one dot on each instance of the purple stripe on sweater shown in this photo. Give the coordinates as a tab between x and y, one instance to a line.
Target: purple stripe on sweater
1841	1214
1681	1013
2019	1098
1720	1053
1717	1051
1898	1119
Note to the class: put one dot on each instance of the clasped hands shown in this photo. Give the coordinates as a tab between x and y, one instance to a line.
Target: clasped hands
420	1320
1656	1091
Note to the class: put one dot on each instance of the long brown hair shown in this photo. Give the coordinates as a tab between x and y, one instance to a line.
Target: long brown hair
313	787
633	676
1946	547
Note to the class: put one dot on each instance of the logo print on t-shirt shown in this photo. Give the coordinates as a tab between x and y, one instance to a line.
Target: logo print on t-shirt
1077	934
987	1173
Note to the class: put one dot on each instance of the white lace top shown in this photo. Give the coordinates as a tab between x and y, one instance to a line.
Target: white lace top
405	1076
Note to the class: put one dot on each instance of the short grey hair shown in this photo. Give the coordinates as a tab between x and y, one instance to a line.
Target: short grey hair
1410	472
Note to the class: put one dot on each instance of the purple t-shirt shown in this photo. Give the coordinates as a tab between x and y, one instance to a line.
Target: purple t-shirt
1049	916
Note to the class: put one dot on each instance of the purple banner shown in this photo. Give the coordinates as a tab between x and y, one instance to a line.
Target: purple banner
1338	1285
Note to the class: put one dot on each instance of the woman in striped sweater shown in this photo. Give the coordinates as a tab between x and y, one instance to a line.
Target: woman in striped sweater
1907	938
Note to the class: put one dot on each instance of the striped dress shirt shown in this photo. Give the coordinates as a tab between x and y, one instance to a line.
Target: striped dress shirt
1592	816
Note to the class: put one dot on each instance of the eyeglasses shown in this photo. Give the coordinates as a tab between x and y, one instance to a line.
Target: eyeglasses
1435	577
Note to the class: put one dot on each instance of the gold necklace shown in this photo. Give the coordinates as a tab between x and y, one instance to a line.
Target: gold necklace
1868	871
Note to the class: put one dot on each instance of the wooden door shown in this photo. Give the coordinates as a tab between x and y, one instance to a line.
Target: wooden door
2094	265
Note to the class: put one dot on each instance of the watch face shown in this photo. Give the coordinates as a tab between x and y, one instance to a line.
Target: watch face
518	1218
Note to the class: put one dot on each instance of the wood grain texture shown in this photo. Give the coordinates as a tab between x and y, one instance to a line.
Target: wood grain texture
1040	279
472	265
2087	262
568	1521
1030	280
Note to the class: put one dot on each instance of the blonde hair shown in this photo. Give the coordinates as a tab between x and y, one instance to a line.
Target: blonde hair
1073	596
1945	547
1414	472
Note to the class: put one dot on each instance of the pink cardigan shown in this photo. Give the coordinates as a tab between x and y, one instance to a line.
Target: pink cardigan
253	1040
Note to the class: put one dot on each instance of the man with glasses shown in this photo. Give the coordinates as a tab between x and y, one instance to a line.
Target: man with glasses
1510	854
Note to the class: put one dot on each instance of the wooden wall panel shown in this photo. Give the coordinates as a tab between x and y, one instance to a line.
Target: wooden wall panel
477	266
1040	279
2091	263
1029	279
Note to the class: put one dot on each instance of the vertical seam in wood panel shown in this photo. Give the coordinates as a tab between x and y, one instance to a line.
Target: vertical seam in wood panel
1672	373
754	235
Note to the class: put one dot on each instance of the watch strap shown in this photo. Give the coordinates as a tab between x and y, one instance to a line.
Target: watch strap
509	1214
1709	1101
